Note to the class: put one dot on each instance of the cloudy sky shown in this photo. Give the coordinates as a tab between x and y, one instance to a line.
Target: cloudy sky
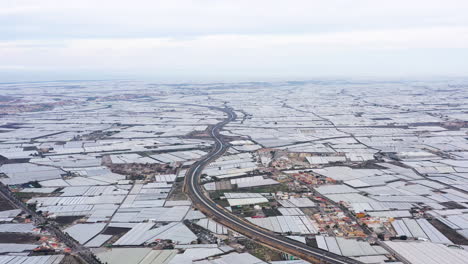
238	39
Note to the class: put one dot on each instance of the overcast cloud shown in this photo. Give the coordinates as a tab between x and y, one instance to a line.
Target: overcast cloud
216	39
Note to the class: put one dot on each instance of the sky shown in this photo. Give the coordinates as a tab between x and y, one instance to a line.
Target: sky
231	40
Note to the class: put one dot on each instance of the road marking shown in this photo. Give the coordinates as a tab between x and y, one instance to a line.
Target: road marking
234	219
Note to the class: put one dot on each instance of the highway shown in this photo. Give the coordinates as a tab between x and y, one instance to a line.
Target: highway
202	201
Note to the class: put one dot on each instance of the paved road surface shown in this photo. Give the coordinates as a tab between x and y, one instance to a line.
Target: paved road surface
202	201
79	250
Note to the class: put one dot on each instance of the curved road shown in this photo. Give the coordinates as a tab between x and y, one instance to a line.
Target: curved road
202	201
